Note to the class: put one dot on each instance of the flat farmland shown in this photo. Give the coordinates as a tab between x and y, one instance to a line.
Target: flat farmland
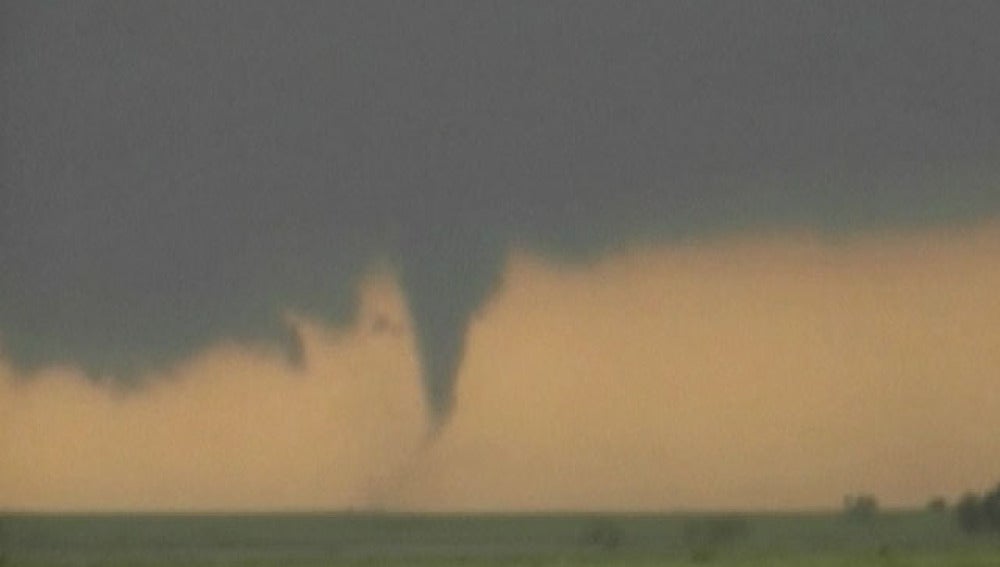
820	539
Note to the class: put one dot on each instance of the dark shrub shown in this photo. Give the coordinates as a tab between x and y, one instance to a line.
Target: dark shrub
861	507
937	505
705	536
604	534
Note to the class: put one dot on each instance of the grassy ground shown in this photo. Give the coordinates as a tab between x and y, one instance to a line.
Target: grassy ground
846	560
895	539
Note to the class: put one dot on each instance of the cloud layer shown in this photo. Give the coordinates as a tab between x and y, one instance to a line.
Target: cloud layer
782	370
175	175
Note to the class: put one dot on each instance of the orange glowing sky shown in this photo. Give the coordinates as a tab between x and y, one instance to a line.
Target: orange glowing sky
773	371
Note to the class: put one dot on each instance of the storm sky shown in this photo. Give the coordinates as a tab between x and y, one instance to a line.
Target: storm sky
179	180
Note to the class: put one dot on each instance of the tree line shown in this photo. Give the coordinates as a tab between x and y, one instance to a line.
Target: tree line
977	513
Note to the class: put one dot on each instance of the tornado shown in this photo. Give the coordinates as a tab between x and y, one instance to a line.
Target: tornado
446	274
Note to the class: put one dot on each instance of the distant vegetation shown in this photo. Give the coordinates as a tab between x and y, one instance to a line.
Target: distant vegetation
604	534
705	537
937	505
860	507
979	513
861	533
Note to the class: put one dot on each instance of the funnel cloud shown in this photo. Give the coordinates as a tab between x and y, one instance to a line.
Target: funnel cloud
179	175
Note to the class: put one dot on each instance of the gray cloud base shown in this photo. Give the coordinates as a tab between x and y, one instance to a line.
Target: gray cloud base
176	174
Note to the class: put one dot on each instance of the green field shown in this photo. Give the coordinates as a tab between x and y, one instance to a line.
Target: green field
890	538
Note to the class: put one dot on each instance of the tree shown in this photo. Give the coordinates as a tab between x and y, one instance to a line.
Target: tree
969	513
991	509
979	513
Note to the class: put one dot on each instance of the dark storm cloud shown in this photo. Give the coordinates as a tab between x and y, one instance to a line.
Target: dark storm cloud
177	173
